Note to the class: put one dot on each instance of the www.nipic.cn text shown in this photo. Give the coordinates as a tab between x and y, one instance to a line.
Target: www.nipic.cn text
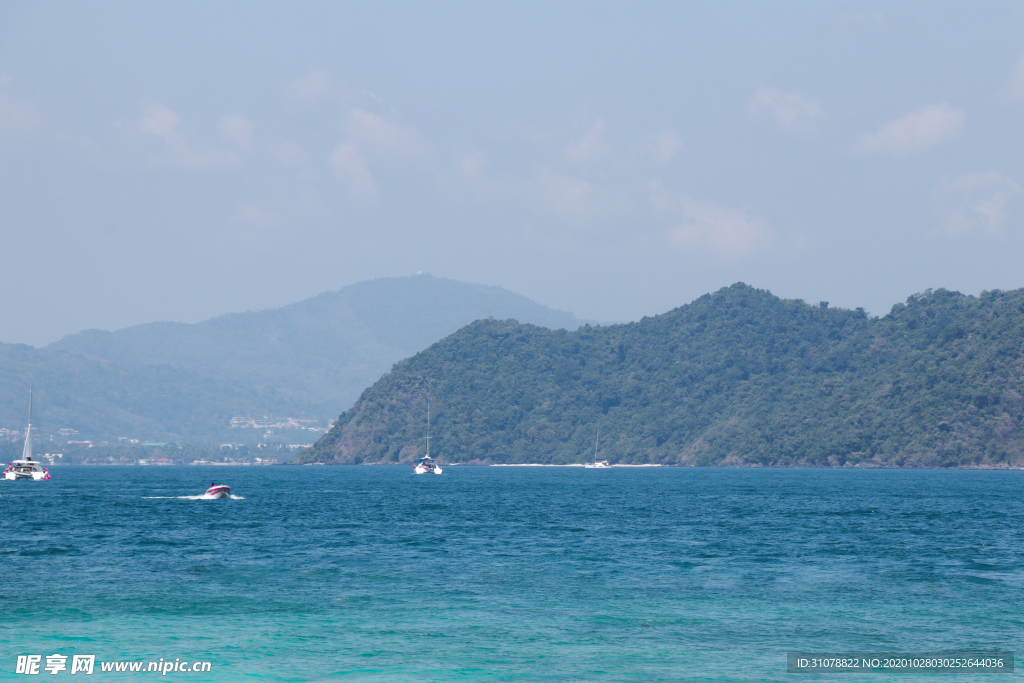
86	664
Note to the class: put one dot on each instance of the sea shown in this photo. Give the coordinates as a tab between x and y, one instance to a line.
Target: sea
507	573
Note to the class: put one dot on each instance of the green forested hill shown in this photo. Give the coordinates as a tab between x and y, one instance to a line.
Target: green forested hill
737	377
103	400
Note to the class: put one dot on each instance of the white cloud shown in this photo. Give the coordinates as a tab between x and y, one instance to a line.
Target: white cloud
237	129
700	225
309	88
350	166
793	112
614	188
726	230
663	146
474	164
545	190
378	133
916	132
289	154
590	147
1014	89
160	121
976	202
251	214
564	193
176	151
17	118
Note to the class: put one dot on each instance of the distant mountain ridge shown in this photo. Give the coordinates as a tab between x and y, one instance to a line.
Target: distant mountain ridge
319	353
738	377
101	400
313	357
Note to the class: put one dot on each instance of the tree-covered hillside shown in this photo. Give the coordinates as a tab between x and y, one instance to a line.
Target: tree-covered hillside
184	382
737	377
318	355
102	400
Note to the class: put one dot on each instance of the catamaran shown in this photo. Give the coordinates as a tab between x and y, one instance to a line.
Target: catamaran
426	463
27	468
597	464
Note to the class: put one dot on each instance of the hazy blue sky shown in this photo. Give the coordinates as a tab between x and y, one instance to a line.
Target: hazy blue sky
176	161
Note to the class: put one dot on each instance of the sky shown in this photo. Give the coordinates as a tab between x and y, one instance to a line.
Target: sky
178	161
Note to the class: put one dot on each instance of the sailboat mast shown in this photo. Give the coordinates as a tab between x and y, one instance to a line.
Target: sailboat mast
26	452
597	441
428	429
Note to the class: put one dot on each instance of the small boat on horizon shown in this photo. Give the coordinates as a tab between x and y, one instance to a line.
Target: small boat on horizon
217	491
597	464
27	468
426	463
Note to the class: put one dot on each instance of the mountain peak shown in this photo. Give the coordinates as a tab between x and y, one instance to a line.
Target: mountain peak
316	355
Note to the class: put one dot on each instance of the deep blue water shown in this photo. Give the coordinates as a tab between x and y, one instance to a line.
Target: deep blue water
494	574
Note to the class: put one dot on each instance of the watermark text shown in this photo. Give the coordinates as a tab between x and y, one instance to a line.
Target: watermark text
33	665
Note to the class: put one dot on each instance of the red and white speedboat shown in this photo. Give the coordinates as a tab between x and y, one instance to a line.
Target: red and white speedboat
217	491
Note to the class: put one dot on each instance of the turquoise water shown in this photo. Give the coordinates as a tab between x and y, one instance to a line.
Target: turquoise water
495	574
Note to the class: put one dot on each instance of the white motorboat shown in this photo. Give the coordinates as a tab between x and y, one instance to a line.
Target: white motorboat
597	464
217	491
27	468
426	464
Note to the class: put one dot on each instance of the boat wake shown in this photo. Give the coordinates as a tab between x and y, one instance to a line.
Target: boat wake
199	497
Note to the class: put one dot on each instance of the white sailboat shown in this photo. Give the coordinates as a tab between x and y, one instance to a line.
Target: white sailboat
426	463
27	468
597	464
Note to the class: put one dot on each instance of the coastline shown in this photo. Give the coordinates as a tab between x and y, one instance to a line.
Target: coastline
730	466
541	464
